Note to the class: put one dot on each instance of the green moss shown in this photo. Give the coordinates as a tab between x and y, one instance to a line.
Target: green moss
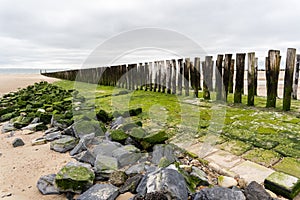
118	135
164	162
74	178
137	133
290	166
236	147
263	157
157	137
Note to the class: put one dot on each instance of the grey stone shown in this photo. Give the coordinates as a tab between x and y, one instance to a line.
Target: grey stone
64	144
32	127
46	184
118	122
136	169
86	157
127	155
117	178
168	181
155	196
200	175
75	177
106	148
225	181
283	184
105	164
131	184
38	141
82	144
163	151
51	130
35	120
18	142
217	193
7	127
53	136
255	191
100	192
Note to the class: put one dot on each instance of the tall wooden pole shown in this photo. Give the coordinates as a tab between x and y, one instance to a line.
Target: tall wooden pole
168	77
197	77
206	77
179	80
187	76
251	69
239	79
295	86
288	78
173	84
255	76
163	76
272	73
219	77
227	64
231	76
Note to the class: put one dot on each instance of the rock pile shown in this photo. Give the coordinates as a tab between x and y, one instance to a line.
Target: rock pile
114	155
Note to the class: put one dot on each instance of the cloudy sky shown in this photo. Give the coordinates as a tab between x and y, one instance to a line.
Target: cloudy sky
62	34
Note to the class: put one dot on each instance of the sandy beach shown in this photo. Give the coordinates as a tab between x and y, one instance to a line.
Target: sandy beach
21	167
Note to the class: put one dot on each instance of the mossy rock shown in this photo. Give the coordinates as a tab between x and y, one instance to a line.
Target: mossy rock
74	179
41	127
6	110
103	116
137	133
87	127
157	137
45	117
118	135
135	112
164	162
130	126
7	117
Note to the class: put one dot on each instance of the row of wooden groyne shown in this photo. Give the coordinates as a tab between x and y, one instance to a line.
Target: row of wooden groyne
179	76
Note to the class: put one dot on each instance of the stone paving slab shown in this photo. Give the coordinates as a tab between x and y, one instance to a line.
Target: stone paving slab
251	171
290	166
224	159
199	149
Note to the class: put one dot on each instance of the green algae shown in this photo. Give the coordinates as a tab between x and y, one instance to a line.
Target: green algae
289	166
263	157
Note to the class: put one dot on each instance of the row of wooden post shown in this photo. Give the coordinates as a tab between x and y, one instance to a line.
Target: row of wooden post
174	76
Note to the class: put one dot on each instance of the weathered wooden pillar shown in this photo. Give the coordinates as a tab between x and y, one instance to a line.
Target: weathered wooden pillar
251	69
231	76
168	76
219	80
207	76
197	76
180	73
140	75
155	76
173	84
192	75
129	74
186	76
159	76
255	76
151	73
239	78
227	64
163	76
146	72
272	73
295	86
288	78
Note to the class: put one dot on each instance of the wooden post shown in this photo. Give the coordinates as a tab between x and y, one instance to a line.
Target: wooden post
239	78
173	76
255	76
197	76
168	76
227	64
163	76
295	86
180	66
151	72
146	74
288	78
192	75
272	73
219	81
141	76
159	76
155	76
186	76
207	77
251	68
231	75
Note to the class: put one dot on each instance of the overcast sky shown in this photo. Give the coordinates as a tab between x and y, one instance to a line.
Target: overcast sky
62	34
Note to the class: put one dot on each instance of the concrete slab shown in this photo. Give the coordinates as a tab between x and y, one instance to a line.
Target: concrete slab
251	171
224	159
199	149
